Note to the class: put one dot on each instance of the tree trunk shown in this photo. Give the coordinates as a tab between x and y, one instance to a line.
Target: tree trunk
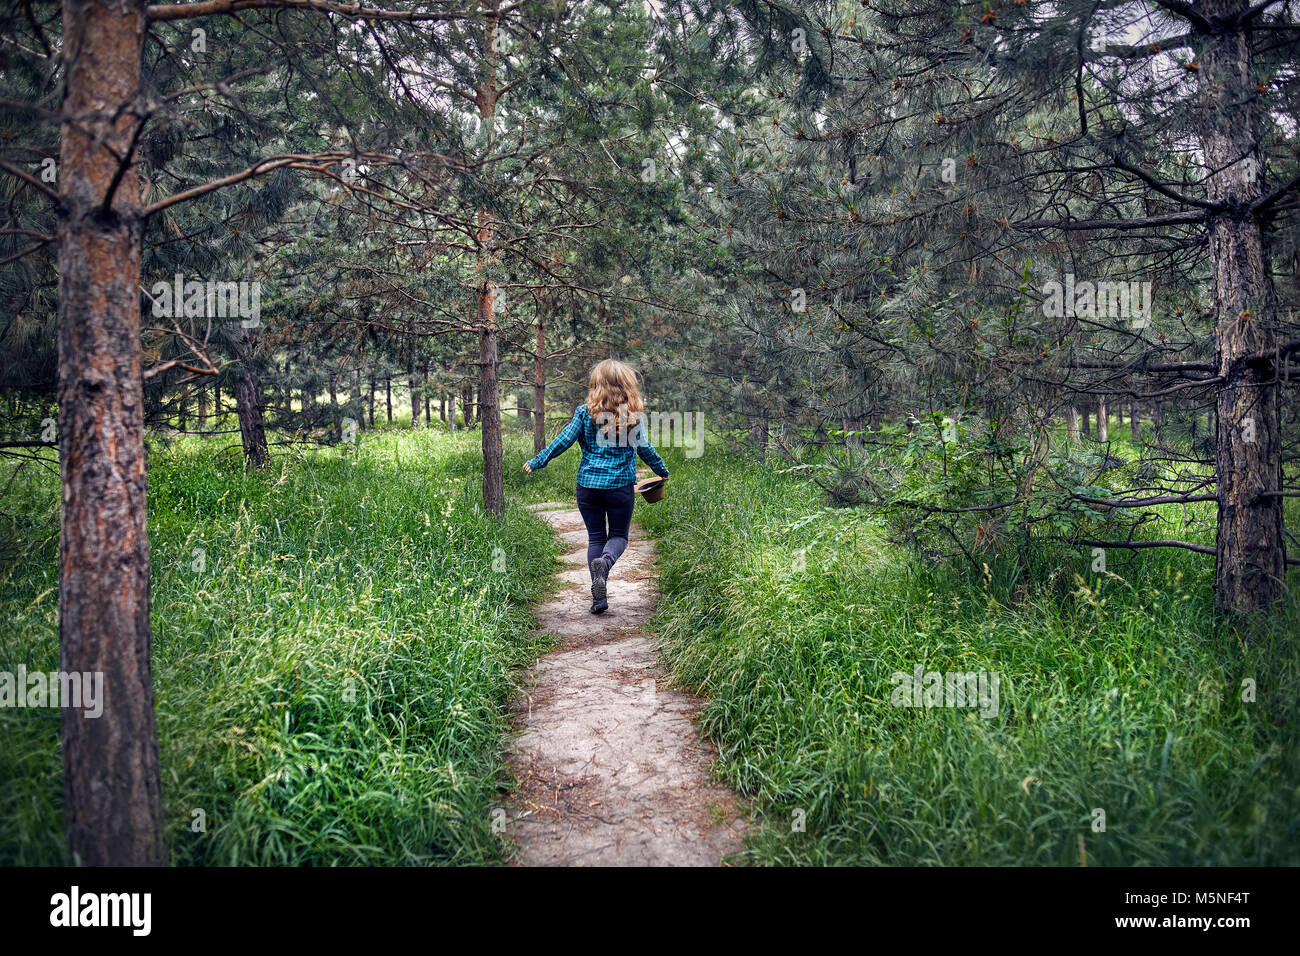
451	409
388	397
354	399
467	400
112	786
539	387
494	501
1085	422
334	409
1103	421
1072	423
248	400
415	395
1135	421
1250	558
428	418
442	407
494	496
372	402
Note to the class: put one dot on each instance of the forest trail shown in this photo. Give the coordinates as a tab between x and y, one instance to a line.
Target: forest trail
611	769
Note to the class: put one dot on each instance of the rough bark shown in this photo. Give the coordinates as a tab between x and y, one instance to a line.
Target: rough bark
1103	421
112	787
248	400
1250	550
489	411
494	496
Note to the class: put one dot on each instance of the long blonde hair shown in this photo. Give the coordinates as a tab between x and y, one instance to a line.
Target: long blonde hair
612	391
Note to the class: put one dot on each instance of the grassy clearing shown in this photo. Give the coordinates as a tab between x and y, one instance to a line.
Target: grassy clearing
334	640
1119	691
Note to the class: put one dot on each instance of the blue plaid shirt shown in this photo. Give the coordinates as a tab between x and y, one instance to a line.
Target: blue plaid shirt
605	464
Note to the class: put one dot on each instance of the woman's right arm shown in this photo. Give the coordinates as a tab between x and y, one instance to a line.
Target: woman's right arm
561	444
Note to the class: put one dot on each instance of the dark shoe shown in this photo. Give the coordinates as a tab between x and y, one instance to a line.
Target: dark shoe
598	585
599	607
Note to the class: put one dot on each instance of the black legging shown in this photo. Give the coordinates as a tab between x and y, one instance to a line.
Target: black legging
598	504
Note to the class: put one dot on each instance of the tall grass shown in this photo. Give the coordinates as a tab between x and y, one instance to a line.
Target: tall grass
1119	692
334	641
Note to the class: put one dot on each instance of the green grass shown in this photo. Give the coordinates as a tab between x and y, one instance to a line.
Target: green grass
334	644
332	666
1119	692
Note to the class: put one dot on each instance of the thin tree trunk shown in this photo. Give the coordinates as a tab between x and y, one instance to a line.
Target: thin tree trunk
1085	417
248	400
388	397
111	783
415	396
442	407
539	387
494	496
494	501
372	402
428	418
354	403
467	401
1135	421
1103	421
1072	423
451	409
334	409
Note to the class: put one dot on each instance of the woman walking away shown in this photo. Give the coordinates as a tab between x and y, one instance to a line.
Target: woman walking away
611	431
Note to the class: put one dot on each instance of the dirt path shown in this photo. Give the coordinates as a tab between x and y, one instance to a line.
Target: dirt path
611	769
